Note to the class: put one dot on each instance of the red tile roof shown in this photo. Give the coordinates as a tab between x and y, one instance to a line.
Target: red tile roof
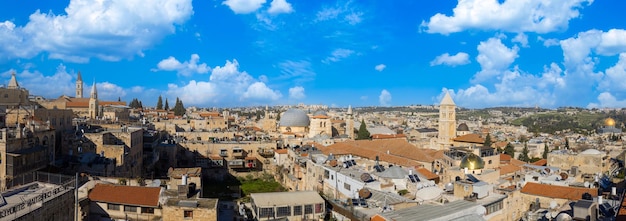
470	138
395	151
281	151
426	173
560	192
541	162
126	195
505	157
507	169
388	136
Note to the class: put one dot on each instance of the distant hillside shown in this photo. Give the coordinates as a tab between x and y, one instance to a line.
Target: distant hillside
582	122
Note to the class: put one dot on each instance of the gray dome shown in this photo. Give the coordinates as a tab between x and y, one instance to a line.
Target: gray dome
462	127
320	113
294	118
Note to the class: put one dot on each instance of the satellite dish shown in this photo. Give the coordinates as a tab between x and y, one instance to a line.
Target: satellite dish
553	204
155	183
586	184
563	217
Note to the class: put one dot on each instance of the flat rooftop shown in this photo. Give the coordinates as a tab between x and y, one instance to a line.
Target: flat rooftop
20	201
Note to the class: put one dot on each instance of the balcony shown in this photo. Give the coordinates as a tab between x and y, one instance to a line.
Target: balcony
266	152
239	153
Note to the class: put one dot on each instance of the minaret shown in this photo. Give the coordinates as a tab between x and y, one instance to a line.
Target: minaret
350	123
13	82
79	86
93	102
447	121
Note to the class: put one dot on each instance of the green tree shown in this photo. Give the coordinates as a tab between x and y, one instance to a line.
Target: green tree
179	108
167	105
509	150
363	133
524	156
159	103
487	140
546	149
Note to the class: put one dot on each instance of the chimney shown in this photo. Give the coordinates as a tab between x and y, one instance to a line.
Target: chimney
599	200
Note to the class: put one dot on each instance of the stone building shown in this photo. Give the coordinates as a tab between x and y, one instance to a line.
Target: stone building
320	124
124	202
124	146
43	198
447	121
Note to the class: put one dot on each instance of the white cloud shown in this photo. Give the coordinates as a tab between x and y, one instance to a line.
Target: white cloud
615	77
384	98
227	85
297	93
260	91
606	99
297	71
511	16
244	6
94	29
460	58
280	6
522	39
110	91
338	55
380	67
186	68
347	13
494	57
39	84
548	42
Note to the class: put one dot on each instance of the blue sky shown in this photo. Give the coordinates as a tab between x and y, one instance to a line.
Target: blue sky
228	53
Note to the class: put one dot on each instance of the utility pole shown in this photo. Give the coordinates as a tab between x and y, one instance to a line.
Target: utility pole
76	218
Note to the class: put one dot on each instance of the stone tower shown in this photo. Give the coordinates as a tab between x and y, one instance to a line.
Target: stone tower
13	82
350	123
79	86
447	121
93	102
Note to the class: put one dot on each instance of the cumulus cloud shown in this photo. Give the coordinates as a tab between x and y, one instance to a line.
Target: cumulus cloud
94	29
607	100
380	67
338	55
494	57
260	91
39	84
615	76
460	58
548	42
244	6
522	39
186	68
297	93
384	98
279	7
110	91
511	16
227	85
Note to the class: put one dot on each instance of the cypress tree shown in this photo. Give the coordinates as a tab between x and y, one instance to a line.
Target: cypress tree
363	133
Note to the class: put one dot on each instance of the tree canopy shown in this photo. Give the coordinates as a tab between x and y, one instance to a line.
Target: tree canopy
167	105
487	141
546	149
135	103
363	133
179	108
524	156
159	105
509	150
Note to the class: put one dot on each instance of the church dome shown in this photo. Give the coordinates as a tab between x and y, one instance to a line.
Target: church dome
320	113
591	152
294	118
472	162
609	122
462	127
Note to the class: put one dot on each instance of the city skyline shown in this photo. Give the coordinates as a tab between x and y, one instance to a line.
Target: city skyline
337	53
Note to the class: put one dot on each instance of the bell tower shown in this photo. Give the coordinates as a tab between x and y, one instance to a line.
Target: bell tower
447	121
79	86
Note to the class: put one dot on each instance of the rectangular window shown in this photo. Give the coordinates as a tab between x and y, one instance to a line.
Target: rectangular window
297	210
346	186
308	209
188	214
266	212
115	207
326	174
149	210
318	208
283	211
130	209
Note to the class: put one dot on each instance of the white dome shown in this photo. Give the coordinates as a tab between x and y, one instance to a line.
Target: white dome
294	118
429	193
591	152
